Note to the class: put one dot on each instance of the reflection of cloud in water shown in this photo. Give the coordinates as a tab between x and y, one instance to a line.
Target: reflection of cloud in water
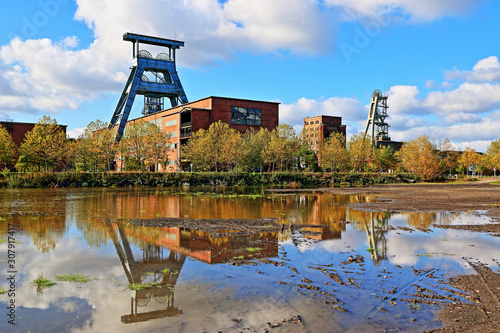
450	244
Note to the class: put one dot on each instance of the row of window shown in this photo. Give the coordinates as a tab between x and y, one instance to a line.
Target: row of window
312	122
246	116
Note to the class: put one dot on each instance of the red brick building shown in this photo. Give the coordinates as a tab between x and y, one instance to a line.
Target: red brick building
317	129
180	121
18	130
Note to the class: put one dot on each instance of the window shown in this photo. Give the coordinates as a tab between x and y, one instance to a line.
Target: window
170	123
246	116
171	134
156	122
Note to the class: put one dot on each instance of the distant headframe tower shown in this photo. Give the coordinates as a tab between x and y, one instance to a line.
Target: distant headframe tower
154	78
377	120
377	116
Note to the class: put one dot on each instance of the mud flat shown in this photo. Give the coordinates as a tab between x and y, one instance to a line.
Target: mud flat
215	227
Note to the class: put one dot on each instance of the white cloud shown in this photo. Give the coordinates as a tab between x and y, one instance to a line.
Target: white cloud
403	99
416	10
49	76
351	111
469	97
430	84
75	132
485	70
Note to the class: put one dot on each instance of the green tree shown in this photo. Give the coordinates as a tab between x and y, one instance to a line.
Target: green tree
219	147
420	157
96	147
143	144
468	158
333	153
282	147
8	149
306	158
43	147
253	143
386	158
493	154
360	152
448	156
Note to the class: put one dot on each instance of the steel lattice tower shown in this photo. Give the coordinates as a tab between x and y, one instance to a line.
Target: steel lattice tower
377	117
154	78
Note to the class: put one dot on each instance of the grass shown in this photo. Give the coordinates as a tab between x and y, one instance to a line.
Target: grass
141	286
371	249
75	278
2	291
41	282
253	249
495	183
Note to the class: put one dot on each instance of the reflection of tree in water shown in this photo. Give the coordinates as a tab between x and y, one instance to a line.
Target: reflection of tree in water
420	220
426	220
375	225
155	268
45	230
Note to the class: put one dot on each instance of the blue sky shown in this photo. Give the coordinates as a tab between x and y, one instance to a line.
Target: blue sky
436	59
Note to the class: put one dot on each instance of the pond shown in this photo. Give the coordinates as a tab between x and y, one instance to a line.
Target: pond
330	268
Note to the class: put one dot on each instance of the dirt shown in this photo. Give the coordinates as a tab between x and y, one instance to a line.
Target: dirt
482	313
469	196
215	227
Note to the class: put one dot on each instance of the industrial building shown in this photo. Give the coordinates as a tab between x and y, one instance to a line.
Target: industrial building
319	128
181	121
18	130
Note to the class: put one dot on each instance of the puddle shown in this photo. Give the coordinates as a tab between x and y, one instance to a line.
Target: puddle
336	268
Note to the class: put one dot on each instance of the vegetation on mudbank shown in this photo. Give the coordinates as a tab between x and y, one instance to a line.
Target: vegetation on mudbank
124	179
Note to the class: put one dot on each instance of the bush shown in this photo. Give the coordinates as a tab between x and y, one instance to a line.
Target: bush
124	179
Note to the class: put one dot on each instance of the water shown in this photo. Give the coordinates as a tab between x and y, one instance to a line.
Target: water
204	283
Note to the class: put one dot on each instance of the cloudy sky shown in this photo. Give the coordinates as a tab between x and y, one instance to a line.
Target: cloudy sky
436	59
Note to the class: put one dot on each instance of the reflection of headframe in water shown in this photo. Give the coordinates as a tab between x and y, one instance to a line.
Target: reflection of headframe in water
166	272
376	236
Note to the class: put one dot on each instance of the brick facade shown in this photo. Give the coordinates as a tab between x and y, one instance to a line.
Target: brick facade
18	130
183	120
319	128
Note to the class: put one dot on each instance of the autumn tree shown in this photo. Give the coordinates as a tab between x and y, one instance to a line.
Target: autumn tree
160	149
468	158
448	156
8	149
219	147
96	147
143	144
420	157
333	153
43	146
493	154
196	151
282	147
253	143
360	152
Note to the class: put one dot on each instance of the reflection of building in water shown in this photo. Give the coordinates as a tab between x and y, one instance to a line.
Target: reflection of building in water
164	270
201	246
156	268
